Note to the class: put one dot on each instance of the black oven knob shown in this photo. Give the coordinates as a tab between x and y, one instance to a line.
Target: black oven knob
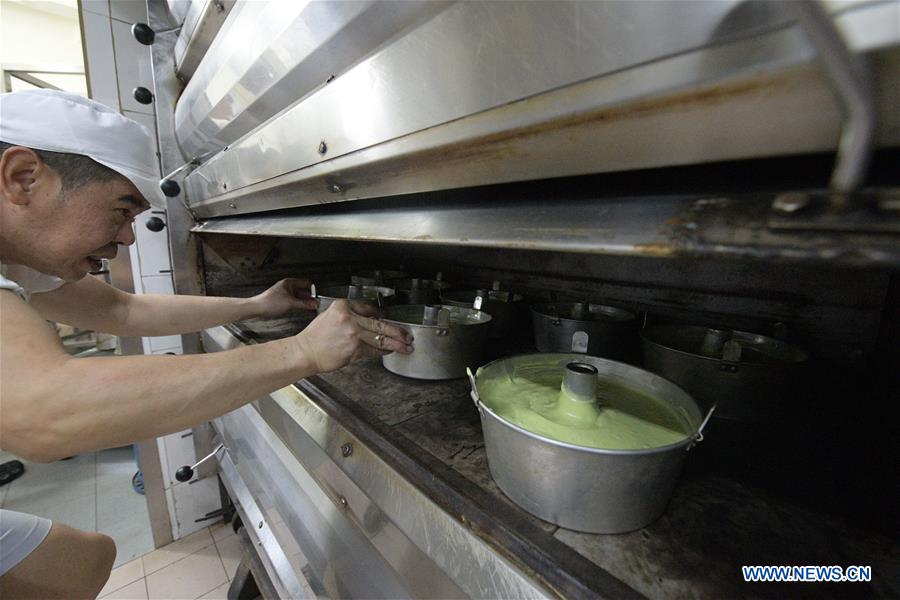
170	188
143	33
142	95
155	224
184	473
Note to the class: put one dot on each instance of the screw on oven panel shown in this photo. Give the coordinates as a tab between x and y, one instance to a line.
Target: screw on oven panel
343	502
232	205
323	147
346	450
790	203
336	189
260	524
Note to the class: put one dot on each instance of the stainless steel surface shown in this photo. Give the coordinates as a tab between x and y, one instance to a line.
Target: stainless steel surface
753	385
269	55
370	294
293	456
286	579
579	488
183	245
852	82
178	9
202	21
660	227
440	351
581	379
685	71
594	329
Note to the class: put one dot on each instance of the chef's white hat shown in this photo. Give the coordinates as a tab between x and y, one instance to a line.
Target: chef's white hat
59	121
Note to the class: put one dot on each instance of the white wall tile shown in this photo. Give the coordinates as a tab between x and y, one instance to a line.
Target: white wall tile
101	63
163	344
179	452
152	246
97	7
173	518
194	500
159	284
133	67
135	269
164	461
172	350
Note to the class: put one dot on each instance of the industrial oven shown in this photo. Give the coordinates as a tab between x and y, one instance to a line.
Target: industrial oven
730	166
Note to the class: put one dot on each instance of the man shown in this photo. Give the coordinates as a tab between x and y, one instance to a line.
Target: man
73	175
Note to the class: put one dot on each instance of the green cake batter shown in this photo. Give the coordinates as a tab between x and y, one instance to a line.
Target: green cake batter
620	419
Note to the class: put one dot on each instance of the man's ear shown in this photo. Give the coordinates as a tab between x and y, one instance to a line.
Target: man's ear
20	168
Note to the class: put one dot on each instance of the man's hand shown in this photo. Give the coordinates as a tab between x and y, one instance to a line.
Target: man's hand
283	297
347	332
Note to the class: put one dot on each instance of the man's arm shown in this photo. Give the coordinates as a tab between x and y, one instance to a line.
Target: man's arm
92	304
54	405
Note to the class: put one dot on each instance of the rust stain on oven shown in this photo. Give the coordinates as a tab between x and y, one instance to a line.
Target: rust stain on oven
501	145
654	250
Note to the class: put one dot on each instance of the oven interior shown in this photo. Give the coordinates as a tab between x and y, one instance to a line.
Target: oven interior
821	472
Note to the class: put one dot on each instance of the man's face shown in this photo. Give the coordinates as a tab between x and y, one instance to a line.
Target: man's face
87	225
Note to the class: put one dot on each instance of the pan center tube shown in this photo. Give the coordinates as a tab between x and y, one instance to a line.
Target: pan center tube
354	292
577	402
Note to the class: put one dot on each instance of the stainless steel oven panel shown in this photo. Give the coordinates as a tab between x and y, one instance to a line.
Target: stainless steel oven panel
202	22
183	250
391	125
434	554
283	574
268	55
344	561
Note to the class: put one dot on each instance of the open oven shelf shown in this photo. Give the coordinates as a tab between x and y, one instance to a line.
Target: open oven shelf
742	227
719	518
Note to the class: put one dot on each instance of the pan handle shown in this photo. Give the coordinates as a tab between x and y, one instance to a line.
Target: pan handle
474	394
698	437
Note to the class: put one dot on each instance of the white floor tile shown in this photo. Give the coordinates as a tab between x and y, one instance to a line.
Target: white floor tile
113	458
220	593
131	541
176	551
190	577
72	507
122	576
91	492
231	554
220	531
132	591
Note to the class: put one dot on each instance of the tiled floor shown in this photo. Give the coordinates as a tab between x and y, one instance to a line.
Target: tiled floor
198	566
91	492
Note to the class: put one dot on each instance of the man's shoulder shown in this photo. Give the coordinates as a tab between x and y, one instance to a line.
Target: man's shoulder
25	281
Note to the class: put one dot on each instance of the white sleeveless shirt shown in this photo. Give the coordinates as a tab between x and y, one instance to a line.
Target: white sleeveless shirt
24	281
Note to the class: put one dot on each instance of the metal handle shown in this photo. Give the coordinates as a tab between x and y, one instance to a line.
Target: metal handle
698	437
186	473
144	34
852	83
474	395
